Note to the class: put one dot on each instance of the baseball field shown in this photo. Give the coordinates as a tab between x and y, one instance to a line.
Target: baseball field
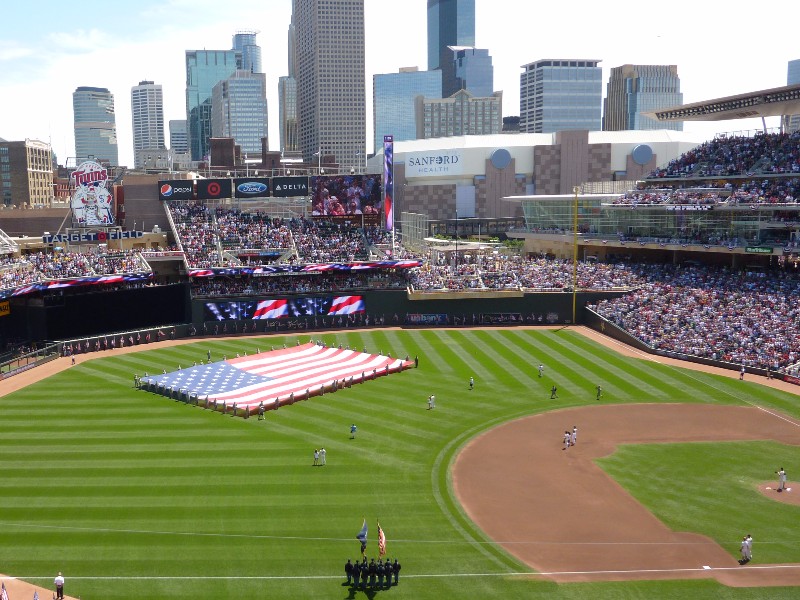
134	495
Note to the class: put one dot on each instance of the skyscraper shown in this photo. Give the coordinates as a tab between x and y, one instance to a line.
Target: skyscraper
793	78
178	136
635	89
468	69
331	94
393	102
459	114
450	23
147	112
204	69
287	100
239	110
95	125
244	42
560	95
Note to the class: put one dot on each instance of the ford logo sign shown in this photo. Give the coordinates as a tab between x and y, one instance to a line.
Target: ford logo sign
251	187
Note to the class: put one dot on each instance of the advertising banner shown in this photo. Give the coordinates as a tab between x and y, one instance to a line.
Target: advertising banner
251	187
176	189
212	189
91	202
288	187
388	180
435	163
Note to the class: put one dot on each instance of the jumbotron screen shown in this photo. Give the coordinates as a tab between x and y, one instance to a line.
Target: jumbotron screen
283	308
345	195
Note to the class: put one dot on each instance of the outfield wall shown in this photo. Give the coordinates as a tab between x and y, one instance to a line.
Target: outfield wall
216	315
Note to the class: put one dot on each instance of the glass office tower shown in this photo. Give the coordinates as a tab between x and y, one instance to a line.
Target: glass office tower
244	42
793	78
467	69
95	125
393	102
450	23
636	89
239	110
560	95
204	69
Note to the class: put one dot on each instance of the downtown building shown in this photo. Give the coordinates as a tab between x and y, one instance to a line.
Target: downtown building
636	89
460	114
204	69
467	68
247	48
394	101
561	95
147	115
792	78
26	173
450	23
95	126
331	90
287	102
239	110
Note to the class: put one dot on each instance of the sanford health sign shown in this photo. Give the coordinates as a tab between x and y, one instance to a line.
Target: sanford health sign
437	163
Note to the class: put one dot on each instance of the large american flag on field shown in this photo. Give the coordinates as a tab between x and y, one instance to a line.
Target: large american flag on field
279	374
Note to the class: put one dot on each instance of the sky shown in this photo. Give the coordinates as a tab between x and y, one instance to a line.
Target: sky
50	47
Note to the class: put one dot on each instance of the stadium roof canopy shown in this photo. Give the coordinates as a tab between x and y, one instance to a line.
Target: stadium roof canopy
775	102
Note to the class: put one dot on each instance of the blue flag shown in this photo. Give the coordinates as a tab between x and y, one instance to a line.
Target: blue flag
362	535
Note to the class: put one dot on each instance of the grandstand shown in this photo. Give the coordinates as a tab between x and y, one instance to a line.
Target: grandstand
704	238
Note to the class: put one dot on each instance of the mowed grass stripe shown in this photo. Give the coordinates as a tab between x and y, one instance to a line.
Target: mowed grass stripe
497	358
618	375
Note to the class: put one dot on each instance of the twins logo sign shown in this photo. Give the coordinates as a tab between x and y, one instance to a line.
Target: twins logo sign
91	201
210	189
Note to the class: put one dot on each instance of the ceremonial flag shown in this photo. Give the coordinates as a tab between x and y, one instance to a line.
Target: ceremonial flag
381	541
4	593
362	537
283	374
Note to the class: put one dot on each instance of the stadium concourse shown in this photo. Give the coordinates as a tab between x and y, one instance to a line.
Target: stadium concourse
272	379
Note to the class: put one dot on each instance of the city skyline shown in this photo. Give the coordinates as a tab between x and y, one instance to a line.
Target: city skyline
37	86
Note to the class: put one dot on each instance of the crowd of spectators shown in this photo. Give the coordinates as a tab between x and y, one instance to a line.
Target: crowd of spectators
311	283
205	233
197	233
749	319
43	266
511	271
738	155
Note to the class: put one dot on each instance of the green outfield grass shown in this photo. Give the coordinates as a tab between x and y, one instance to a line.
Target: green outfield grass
133	495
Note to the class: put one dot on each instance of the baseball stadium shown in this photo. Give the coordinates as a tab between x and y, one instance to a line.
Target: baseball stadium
239	402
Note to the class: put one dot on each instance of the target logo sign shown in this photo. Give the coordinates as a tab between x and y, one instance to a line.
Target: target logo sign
214	188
